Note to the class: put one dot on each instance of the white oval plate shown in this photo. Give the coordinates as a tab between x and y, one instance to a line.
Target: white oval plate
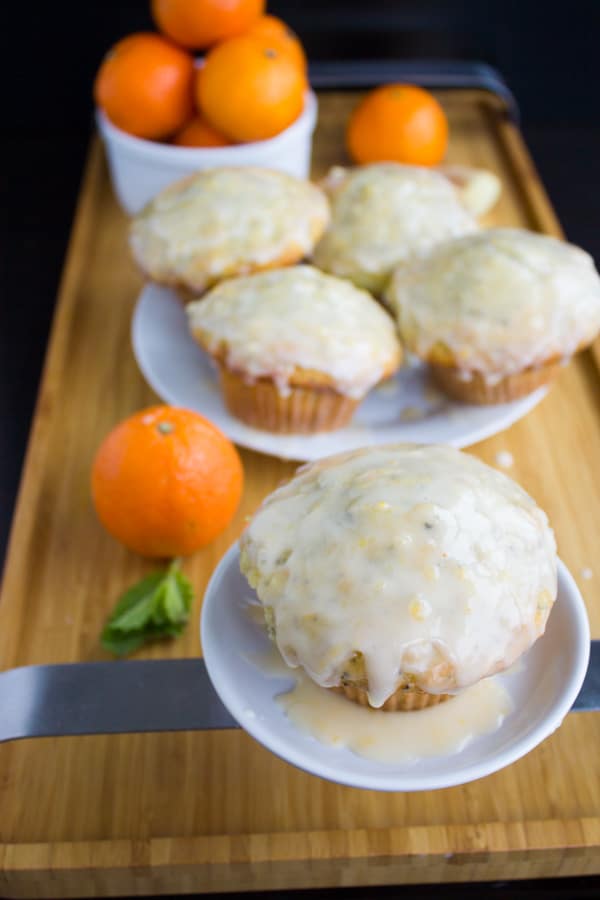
543	689
181	374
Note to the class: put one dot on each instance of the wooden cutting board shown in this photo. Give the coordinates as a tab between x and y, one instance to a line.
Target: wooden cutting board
108	815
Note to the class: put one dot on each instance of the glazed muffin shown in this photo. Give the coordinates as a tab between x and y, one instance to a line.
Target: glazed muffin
296	349
401	574
224	222
384	214
496	314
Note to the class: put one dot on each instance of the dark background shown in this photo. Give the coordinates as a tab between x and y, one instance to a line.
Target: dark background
548	53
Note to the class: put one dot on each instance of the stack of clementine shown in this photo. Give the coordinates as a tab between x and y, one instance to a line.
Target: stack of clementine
249	86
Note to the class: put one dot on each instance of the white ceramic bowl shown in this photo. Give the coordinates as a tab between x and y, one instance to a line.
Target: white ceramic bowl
139	169
543	687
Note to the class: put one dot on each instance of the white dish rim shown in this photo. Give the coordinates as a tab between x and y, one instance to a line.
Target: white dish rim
232	155
412	781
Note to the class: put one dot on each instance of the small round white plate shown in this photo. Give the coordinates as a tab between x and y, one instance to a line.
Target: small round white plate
405	408
542	688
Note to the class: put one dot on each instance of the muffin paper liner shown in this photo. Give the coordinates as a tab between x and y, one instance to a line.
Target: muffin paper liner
477	390
401	701
302	411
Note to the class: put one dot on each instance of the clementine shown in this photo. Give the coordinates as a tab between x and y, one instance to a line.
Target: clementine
249	89
281	36
398	122
198	133
144	85
166	481
198	24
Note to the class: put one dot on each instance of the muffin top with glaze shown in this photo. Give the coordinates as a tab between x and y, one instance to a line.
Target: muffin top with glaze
498	301
275	323
422	561
228	221
383	214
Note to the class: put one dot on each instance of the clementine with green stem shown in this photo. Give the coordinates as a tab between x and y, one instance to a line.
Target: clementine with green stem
250	90
275	30
166	481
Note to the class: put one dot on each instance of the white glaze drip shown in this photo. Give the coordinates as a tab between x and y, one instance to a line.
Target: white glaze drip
272	323
396	737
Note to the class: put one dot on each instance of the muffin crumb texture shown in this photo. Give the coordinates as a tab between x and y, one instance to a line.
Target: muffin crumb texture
405	566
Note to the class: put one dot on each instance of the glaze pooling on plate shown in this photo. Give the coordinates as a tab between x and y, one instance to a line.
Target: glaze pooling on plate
497	302
399	564
542	687
384	214
227	221
273	323
396	737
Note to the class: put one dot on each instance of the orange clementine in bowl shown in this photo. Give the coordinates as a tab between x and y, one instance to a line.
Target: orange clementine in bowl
144	85
166	481
275	30
199	23
250	90
400	123
198	133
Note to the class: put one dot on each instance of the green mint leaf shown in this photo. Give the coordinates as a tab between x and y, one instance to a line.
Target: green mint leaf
159	617
185	588
173	604
137	616
156	607
178	596
135	603
121	644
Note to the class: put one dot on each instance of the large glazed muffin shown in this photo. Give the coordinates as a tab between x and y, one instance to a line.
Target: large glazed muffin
296	349
497	313
402	573
384	214
224	222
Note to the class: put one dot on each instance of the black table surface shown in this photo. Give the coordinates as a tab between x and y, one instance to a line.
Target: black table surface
45	131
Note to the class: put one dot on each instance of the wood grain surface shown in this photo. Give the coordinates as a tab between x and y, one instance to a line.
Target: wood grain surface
101	816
